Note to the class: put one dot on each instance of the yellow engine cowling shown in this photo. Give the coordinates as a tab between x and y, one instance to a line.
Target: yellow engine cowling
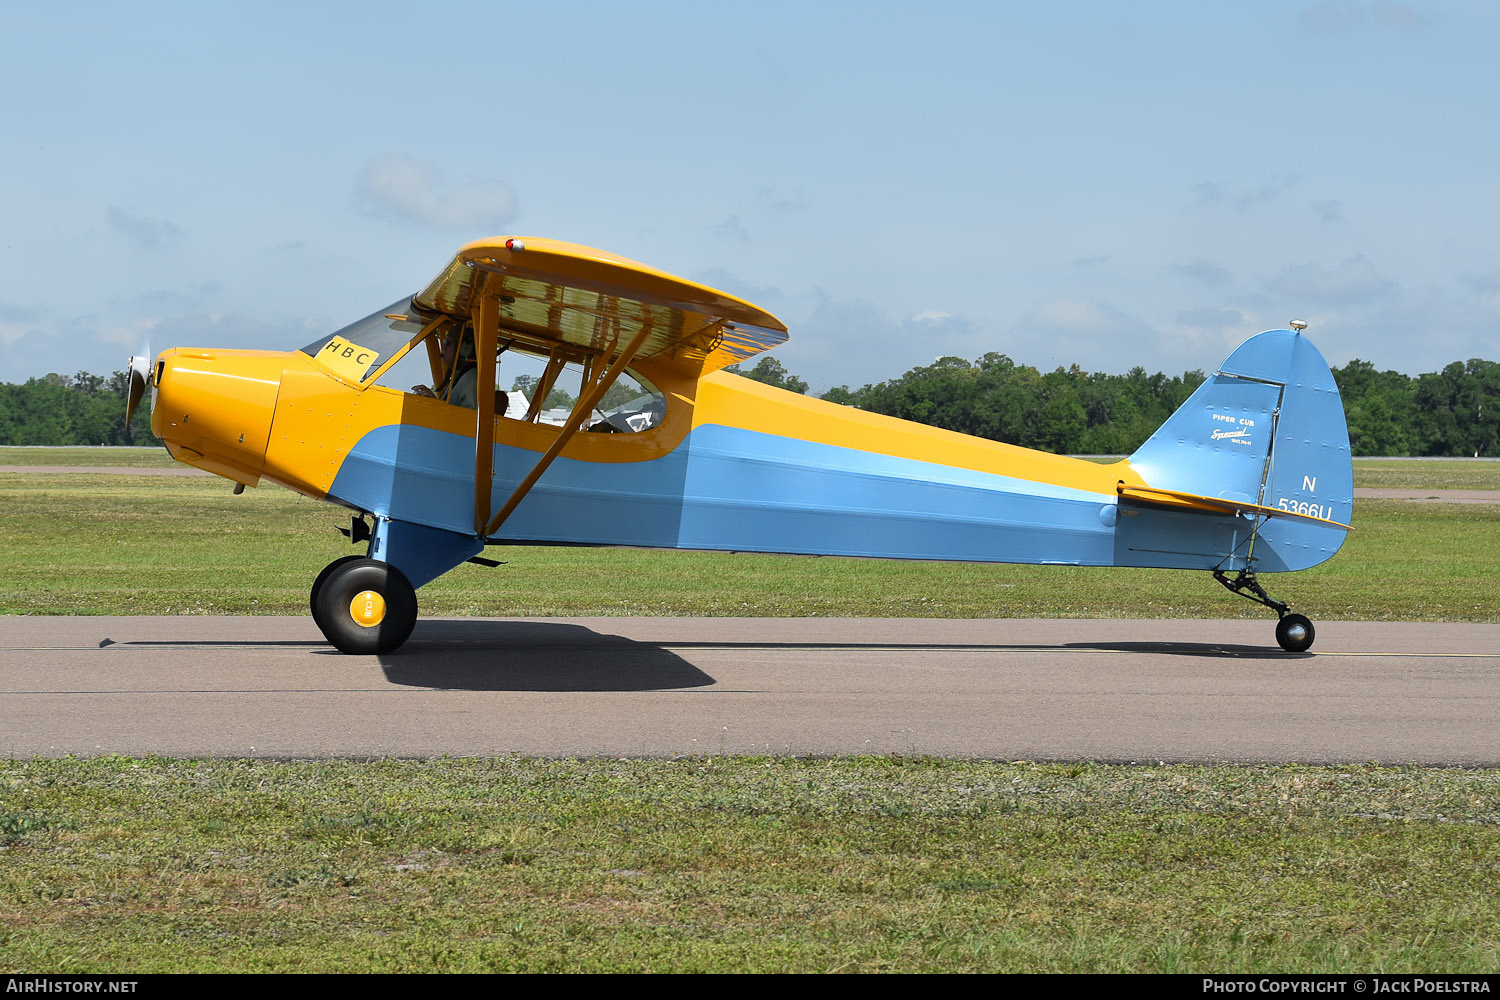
214	408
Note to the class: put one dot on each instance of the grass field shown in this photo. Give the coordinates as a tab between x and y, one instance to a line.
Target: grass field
135	458
75	543
709	864
747	864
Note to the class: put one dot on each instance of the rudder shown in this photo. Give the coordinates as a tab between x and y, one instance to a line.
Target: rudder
1267	428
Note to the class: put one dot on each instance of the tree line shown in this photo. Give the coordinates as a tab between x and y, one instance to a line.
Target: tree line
1452	412
80	409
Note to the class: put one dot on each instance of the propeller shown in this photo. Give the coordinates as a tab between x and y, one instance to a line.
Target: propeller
140	377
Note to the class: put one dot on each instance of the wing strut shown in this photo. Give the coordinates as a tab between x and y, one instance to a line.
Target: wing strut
588	398
486	337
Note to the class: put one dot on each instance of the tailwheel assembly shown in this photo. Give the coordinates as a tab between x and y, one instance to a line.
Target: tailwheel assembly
364	605
1294	632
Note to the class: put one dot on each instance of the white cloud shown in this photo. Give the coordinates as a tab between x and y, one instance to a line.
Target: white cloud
77	346
1216	320
1309	287
86	343
1205	271
405	189
1328	211
1340	18
144	233
773	200
1214	193
765	296
730	229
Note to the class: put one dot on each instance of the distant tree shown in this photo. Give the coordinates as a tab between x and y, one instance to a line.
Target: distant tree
78	409
556	398
771	372
1455	411
1379	408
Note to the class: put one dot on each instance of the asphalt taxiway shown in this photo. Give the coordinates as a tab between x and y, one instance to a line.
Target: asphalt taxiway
1115	690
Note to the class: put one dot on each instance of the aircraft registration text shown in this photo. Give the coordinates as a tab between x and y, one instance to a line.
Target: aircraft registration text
1324	511
347	359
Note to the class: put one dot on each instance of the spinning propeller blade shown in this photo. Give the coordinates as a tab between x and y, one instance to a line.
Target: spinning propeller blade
140	377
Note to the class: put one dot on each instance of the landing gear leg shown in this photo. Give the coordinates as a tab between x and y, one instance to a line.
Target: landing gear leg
1294	632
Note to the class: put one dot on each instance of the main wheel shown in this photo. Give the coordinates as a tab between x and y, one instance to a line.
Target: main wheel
312	597
365	606
1295	633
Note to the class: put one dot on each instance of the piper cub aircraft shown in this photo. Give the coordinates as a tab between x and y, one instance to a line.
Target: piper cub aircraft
662	448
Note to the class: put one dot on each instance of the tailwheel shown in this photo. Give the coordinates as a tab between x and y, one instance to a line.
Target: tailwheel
1295	633
364	605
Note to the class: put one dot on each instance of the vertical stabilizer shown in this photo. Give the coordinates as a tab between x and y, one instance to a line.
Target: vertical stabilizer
1267	428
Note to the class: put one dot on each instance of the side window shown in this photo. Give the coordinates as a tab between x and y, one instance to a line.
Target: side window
630	406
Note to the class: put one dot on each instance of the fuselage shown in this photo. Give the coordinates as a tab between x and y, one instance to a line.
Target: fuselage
733	465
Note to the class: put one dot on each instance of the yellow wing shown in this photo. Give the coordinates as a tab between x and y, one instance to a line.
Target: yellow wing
553	292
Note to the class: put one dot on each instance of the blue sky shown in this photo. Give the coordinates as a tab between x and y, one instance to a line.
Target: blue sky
1109	184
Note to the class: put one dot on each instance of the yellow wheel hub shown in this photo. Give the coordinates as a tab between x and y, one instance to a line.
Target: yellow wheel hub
367	609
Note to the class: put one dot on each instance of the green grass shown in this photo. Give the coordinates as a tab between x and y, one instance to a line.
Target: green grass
747	864
83	544
135	458
1432	474
741	864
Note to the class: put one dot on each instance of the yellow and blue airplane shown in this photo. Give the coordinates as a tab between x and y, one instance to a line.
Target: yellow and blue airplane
1251	474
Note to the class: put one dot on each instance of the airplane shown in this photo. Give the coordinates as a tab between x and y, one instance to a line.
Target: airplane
660	447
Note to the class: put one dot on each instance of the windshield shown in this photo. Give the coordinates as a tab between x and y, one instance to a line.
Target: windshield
358	349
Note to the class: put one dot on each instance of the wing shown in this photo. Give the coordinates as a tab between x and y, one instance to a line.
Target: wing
552	292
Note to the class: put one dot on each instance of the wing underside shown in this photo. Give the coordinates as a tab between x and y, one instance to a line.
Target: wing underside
551	293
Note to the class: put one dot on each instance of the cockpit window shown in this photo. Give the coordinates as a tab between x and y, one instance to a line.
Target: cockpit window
630	406
359	348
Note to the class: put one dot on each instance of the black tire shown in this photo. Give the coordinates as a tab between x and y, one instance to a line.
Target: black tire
1295	633
312	597
347	580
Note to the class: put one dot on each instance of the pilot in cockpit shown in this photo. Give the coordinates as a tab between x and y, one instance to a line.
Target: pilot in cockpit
458	387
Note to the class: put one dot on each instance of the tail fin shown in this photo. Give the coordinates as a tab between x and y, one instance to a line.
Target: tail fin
1266	429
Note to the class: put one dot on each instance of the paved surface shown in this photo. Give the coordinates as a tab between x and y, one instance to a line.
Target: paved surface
1429	496
1005	689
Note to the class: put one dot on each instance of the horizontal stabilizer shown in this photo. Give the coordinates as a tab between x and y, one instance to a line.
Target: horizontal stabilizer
1177	500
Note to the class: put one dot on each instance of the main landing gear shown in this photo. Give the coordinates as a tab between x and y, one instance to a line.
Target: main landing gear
363	605
1294	632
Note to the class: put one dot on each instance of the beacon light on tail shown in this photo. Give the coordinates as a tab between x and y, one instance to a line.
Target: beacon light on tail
654	445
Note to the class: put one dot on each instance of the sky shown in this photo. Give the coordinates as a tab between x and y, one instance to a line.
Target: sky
1092	183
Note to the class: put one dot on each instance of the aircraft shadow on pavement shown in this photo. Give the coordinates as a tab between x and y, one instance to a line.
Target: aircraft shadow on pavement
1219	650
534	656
